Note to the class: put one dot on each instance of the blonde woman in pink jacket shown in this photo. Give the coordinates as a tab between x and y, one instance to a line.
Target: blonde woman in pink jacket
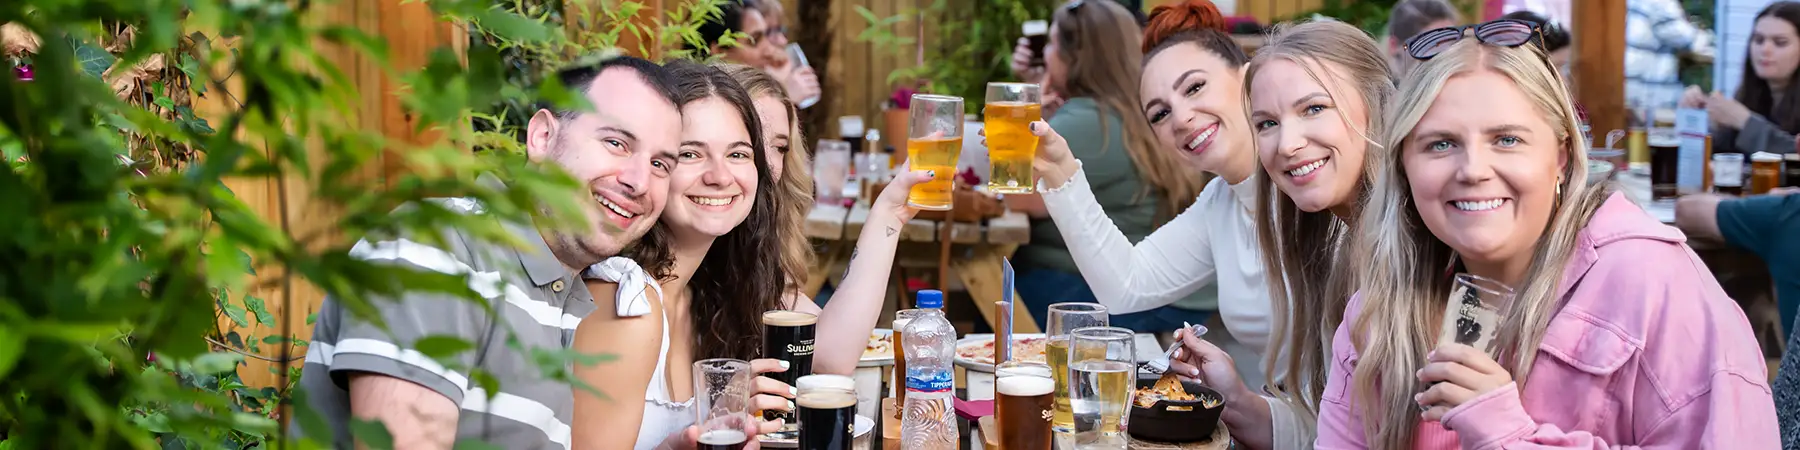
1617	336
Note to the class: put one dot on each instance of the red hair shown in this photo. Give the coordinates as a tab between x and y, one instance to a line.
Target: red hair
1188	15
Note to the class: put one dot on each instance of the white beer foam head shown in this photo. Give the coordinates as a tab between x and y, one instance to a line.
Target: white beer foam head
1035	27
836	382
1024	386
723	437
784	318
826	399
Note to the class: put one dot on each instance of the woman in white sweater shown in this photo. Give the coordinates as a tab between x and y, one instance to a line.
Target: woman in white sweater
1192	94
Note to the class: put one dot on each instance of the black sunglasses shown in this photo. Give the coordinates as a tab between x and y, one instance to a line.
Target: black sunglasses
1500	33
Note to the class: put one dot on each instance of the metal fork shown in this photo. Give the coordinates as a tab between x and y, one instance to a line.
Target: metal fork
1159	365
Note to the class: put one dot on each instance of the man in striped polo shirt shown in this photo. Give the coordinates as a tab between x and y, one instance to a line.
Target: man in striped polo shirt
622	152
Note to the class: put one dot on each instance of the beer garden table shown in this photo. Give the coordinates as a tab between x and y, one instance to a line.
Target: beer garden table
974	257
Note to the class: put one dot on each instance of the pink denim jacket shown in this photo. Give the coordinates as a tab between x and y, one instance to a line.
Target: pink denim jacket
1646	352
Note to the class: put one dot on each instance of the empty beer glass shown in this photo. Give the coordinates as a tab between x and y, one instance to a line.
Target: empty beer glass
934	143
722	389
1007	118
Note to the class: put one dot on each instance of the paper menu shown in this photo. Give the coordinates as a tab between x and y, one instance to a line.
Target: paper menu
1690	173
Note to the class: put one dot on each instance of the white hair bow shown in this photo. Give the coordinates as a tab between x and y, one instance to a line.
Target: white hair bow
632	299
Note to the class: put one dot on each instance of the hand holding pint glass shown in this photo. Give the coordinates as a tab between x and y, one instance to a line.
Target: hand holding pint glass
722	389
788	336
1466	344
935	143
1007	117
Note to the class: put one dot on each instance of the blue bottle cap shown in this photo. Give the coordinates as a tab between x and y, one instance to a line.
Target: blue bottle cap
929	299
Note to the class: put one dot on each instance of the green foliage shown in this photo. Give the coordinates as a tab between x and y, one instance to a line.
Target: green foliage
127	252
972	45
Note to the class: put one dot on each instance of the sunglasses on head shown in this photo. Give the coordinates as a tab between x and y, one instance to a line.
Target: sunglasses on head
1500	33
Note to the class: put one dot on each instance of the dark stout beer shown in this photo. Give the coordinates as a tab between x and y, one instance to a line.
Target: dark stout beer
788	336
827	410
723	440
1022	405
1665	164
1037	35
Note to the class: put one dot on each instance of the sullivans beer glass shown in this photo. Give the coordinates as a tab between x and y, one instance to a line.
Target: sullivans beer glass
1007	118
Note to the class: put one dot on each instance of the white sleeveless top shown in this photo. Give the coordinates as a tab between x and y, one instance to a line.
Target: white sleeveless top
662	416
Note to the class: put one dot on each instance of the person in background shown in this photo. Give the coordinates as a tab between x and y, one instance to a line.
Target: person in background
800	82
1557	11
1556	40
1657	32
1766	112
1136	186
1410	17
1316	92
787	148
1617	336
361	370
1769	227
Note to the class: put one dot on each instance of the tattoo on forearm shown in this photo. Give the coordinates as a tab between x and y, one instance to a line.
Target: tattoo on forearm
891	231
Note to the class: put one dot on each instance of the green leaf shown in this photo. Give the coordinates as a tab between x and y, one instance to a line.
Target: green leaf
371	434
215	362
442	346
466	445
236	313
311	317
92	59
512	26
256	306
274	340
11	346
487	382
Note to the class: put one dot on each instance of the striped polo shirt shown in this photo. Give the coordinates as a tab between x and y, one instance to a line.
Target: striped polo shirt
531	294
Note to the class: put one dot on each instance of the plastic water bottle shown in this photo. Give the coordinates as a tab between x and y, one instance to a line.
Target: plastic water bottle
929	420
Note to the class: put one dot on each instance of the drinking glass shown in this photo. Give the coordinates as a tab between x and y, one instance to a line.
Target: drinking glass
1065	318
1103	365
1473	313
831	168
799	57
722	390
1022	404
901	318
1007	118
935	135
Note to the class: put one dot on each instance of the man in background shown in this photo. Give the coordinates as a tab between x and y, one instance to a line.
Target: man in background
361	370
1408	19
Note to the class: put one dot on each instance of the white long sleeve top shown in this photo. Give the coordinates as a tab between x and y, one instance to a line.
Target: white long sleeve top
1213	241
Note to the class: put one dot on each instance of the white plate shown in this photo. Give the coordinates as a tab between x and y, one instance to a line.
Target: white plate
976	338
863	426
878	362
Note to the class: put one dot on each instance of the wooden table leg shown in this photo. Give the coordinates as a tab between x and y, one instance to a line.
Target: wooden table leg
982	273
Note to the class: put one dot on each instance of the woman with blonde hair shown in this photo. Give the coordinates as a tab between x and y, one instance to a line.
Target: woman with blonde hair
1316	92
1613	334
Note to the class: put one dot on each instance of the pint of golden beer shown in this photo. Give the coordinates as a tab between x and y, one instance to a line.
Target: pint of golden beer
1007	118
936	126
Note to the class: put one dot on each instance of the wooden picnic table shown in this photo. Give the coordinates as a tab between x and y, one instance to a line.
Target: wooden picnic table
975	252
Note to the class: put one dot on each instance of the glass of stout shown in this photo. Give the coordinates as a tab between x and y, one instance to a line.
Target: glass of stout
722	390
788	336
1022	404
827	409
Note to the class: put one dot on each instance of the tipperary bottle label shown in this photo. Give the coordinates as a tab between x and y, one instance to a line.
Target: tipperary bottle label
930	383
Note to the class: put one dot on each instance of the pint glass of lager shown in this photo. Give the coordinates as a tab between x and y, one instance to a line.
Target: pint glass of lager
1064	319
935	126
1007	118
788	336
1022	405
898	379
827	409
722	390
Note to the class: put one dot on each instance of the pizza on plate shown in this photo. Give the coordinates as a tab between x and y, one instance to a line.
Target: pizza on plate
1024	349
881	346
